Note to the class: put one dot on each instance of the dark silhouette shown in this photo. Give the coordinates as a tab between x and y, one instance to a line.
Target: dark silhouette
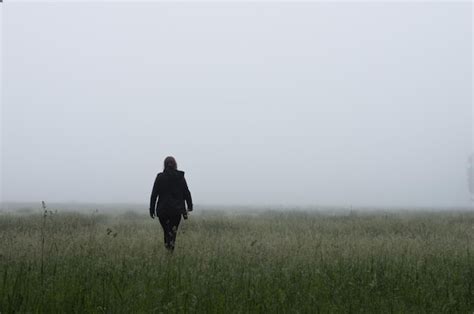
172	192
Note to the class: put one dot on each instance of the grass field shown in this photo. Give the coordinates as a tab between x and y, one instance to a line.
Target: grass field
270	262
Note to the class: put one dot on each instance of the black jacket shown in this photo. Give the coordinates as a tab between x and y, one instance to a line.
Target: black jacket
172	191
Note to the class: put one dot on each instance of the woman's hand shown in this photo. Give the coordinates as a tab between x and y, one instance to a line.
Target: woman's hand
152	214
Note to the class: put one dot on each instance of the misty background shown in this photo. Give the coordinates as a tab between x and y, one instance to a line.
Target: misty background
364	104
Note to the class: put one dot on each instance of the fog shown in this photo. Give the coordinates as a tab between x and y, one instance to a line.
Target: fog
262	103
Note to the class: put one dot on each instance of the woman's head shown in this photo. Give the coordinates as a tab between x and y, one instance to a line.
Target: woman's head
170	162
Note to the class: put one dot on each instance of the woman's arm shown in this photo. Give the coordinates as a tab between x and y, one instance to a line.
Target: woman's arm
154	196
187	196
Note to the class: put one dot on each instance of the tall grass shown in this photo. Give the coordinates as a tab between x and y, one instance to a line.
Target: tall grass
281	262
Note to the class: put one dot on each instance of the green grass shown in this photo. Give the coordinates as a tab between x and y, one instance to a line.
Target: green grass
273	262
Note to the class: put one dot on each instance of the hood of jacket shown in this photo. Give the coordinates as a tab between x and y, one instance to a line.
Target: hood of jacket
173	172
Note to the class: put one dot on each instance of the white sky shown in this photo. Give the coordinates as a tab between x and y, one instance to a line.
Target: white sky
261	103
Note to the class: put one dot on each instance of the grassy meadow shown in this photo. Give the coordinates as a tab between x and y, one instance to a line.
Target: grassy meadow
239	262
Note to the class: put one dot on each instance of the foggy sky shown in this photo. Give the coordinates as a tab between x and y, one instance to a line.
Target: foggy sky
260	103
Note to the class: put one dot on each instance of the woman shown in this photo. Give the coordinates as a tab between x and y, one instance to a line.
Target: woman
172	191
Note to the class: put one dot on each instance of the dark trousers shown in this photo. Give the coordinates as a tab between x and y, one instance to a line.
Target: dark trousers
170	228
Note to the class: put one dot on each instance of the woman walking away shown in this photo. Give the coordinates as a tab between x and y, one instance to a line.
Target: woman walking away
172	191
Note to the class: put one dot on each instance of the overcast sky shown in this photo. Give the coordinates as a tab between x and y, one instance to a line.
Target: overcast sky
260	103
